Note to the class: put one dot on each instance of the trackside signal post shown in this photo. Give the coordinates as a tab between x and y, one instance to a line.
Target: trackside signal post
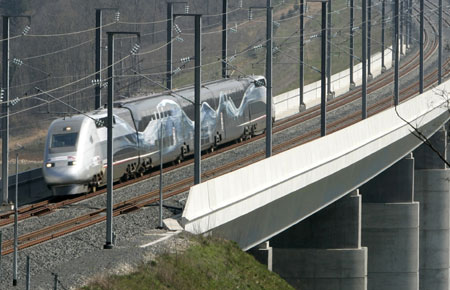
109	195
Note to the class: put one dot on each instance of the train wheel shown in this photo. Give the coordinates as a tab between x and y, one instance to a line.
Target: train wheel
94	188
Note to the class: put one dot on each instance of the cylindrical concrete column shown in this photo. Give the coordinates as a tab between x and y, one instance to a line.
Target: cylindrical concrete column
432	191
390	231
324	251
322	269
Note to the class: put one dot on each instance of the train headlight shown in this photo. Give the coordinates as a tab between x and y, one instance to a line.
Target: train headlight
49	164
70	163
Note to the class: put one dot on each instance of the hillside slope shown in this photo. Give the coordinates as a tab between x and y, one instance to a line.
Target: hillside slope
208	263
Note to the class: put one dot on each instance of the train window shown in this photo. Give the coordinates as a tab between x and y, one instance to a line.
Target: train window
64	140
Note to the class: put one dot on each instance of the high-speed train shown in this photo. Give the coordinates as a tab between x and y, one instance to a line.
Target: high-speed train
75	152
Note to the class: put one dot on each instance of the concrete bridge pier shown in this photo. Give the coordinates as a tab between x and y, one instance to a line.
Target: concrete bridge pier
324	251
432	190
390	228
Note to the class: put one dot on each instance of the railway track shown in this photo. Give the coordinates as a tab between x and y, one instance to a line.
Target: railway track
74	224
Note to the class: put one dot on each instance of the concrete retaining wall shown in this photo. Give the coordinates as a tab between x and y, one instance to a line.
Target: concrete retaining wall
287	103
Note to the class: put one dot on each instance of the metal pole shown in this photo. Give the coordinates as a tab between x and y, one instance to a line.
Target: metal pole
28	279
396	54
364	60
109	173
302	55
98	57
169	45
323	100
351	64
440	44
224	38
393	29
329	95
5	109
405	23
421	48
369	38
383	25
197	101
55	284
16	216
410	22
161	141
1	233
269	28
401	27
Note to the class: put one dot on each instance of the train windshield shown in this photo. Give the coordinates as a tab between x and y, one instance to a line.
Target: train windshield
64	140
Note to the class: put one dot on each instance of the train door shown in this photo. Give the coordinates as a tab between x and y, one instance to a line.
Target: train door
257	112
233	118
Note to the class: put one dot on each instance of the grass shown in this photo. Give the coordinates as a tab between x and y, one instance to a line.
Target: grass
208	263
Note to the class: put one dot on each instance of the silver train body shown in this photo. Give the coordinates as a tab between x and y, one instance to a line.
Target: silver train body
75	154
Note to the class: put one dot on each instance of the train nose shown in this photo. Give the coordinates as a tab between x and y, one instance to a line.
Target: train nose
55	175
62	170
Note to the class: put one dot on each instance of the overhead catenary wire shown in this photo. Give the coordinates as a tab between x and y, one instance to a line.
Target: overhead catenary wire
164	30
58	51
70	33
102	70
92	85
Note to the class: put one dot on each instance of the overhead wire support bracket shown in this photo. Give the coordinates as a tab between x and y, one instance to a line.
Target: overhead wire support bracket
169	36
98	51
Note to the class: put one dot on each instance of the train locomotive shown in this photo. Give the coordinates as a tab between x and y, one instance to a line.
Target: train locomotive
75	152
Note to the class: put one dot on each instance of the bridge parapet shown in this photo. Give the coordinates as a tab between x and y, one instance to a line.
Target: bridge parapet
254	203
